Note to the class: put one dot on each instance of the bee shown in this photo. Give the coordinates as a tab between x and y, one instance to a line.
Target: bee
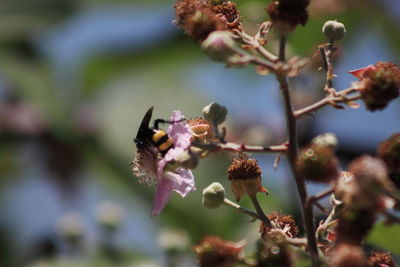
147	137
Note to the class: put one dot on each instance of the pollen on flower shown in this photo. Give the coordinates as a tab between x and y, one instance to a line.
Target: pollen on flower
144	166
201	130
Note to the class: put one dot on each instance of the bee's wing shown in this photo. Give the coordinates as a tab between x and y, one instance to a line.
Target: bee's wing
144	129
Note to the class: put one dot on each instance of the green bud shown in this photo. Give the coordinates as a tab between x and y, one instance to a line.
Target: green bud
326	139
109	215
213	196
219	45
215	113
334	30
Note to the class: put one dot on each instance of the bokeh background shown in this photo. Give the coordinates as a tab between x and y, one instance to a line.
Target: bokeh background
76	77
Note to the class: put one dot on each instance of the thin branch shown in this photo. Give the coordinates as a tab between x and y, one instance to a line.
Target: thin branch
339	97
307	211
319	196
241	209
259	210
241	148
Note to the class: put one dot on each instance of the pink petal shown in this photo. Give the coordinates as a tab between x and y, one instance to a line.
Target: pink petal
358	73
163	193
180	132
183	181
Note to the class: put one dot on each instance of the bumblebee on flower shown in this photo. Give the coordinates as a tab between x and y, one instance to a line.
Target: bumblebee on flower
158	156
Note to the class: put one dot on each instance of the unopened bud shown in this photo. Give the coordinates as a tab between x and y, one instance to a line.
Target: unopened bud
213	196
219	45
334	30
70	227
215	113
326	140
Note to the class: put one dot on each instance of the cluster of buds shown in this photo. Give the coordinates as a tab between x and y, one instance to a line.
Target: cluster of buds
378	84
214	251
317	162
199	18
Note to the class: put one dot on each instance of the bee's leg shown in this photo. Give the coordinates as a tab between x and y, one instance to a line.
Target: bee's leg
158	121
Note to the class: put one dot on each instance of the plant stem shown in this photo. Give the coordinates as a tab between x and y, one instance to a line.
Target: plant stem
259	210
241	147
307	210
243	210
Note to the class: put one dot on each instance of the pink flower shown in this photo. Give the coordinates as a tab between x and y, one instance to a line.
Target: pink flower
180	180
151	168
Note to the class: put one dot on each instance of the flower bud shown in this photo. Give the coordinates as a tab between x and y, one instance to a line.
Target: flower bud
326	140
378	84
213	196
219	45
318	164
215	113
389	151
214	251
334	30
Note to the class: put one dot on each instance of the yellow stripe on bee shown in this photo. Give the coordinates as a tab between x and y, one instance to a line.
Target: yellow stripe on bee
158	135
167	144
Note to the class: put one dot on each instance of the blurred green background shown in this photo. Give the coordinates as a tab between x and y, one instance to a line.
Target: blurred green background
76	77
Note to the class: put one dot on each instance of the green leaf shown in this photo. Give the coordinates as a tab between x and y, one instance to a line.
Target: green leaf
385	237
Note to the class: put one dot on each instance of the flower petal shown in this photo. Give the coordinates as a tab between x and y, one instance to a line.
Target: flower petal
180	131
163	193
358	73
183	181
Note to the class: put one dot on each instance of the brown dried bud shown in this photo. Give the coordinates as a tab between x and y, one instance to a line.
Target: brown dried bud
284	222
197	19
228	11
318	164
245	176
347	255
274	252
381	259
389	151
287	14
379	84
214	251
370	181
354	225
